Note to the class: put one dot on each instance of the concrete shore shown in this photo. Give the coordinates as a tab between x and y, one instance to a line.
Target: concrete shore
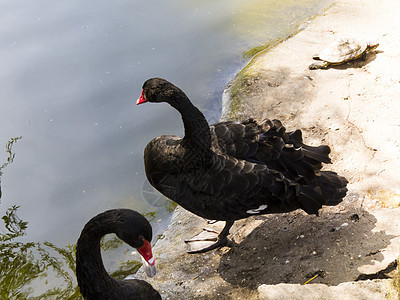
353	108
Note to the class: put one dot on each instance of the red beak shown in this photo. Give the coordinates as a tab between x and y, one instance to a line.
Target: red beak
145	251
141	99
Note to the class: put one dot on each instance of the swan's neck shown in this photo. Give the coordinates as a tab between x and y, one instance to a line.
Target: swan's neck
197	131
91	274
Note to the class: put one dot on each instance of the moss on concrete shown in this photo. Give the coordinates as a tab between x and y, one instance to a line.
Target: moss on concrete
254	51
236	91
243	79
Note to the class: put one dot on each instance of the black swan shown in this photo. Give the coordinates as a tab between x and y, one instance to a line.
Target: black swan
93	280
230	170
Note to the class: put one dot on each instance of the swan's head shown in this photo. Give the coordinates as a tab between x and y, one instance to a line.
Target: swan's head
160	90
136	231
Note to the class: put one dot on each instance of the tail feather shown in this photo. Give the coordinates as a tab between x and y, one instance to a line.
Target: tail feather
316	155
330	190
302	164
333	187
311	199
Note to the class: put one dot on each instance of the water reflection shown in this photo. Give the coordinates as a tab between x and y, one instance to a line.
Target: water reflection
10	157
24	262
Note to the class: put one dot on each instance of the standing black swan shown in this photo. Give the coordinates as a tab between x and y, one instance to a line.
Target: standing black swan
93	280
229	171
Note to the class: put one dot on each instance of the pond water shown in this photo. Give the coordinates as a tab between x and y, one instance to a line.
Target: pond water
70	74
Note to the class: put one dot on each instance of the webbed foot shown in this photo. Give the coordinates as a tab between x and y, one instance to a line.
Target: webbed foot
209	239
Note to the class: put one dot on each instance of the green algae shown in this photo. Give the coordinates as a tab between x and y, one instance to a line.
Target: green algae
257	49
236	91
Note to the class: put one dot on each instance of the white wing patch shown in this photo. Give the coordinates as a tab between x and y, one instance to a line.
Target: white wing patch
257	210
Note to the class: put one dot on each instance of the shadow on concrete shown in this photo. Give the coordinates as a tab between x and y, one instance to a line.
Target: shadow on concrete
293	247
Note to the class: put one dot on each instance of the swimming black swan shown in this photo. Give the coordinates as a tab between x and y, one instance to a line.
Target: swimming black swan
93	280
229	171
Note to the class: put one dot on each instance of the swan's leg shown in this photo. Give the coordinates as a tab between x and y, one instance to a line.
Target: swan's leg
202	242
